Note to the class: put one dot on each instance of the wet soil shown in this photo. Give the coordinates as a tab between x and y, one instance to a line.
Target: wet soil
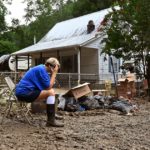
88	130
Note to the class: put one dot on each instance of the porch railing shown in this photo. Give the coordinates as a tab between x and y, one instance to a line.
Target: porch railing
67	80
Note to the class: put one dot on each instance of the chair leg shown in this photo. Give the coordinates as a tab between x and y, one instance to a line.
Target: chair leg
6	111
21	110
25	115
26	112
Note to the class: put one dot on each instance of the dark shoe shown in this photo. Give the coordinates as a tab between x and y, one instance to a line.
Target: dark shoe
54	124
58	117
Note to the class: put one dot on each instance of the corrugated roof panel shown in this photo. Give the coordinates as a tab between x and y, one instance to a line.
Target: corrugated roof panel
74	41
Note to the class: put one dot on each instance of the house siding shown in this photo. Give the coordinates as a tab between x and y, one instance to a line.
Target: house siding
89	61
94	44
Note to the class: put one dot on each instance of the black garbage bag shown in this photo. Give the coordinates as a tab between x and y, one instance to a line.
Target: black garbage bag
123	106
71	104
88	103
100	99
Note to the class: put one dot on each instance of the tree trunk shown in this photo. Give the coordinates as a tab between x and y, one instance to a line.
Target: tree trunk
148	77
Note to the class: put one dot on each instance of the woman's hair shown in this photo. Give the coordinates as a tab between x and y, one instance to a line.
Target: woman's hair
52	62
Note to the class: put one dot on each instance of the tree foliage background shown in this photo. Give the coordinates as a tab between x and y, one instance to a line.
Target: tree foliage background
128	33
6	45
41	16
129	25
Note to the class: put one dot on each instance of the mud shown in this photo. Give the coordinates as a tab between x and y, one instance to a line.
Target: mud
88	130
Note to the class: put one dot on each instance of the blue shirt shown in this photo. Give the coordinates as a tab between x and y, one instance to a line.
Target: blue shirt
37	78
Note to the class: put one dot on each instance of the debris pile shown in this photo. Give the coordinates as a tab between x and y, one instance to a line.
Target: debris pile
96	102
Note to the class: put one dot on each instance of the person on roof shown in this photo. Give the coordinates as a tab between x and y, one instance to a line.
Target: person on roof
90	26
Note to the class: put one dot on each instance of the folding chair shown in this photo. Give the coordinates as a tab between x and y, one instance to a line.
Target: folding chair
21	108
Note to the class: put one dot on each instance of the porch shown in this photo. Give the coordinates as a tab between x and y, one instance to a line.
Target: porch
65	80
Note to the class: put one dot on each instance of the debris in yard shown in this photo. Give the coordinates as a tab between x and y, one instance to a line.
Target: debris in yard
96	102
125	107
86	130
78	91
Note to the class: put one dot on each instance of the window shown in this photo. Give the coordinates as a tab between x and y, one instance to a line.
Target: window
69	64
39	61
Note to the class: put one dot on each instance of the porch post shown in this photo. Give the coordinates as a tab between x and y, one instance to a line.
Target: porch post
98	61
79	68
16	63
58	55
28	61
41	57
16	69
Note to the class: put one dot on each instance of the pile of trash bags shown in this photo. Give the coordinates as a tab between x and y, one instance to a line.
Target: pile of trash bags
70	104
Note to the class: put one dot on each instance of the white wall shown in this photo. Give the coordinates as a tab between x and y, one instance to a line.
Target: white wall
89	61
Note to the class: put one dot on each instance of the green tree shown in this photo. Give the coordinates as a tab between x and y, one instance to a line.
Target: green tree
128	33
6	46
38	17
2	17
82	7
36	8
41	16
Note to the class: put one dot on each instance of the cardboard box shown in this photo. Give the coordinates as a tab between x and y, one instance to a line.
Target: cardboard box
122	91
122	87
78	91
126	80
122	80
145	84
126	86
131	77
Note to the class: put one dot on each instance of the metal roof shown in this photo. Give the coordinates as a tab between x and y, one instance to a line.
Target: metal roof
69	33
58	44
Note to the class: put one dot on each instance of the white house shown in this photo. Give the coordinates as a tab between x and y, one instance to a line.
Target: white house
78	51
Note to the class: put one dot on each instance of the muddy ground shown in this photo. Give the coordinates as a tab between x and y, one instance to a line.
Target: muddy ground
88	130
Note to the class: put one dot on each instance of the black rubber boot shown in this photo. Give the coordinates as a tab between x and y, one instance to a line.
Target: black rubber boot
58	117
51	122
